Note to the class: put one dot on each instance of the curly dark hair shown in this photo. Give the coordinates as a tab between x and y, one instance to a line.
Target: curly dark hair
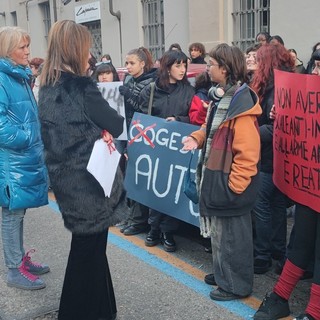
199	46
36	62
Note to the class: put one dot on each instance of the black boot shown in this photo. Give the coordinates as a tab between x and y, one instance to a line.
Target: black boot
153	238
168	242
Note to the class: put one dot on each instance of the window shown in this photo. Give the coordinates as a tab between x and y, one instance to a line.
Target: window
153	27
45	9
95	30
249	18
14	18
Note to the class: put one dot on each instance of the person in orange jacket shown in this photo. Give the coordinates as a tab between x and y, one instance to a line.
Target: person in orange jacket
227	175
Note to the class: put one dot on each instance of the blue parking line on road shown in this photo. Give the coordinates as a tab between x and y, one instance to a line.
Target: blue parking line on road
237	307
53	205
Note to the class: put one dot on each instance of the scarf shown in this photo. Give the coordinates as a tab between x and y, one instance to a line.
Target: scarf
215	118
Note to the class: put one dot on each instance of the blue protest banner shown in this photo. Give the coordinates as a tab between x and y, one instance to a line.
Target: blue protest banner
157	165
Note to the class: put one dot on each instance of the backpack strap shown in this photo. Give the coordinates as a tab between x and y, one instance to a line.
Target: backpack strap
152	86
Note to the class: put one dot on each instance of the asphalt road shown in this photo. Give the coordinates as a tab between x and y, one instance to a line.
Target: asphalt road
149	283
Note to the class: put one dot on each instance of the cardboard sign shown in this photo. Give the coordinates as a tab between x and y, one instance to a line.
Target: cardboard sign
297	137
157	165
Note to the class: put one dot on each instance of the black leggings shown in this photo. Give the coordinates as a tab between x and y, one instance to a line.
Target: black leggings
306	242
87	289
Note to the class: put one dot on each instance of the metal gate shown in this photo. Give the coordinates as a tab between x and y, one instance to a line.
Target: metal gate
95	30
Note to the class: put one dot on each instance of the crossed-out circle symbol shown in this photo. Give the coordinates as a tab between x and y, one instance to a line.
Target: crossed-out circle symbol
142	133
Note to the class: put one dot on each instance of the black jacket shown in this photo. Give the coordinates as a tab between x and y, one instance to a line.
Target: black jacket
198	60
135	85
73	114
266	130
169	104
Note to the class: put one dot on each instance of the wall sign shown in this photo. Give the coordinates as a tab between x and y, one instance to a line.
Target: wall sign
87	12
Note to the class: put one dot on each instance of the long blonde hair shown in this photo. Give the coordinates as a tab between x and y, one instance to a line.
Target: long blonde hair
68	51
10	38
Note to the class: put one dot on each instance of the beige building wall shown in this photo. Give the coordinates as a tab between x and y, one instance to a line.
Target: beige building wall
176	23
185	21
297	22
207	22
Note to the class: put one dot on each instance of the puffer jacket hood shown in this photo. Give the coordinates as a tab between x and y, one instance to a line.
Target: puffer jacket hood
15	71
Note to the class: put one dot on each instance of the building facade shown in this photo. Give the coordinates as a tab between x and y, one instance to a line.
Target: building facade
118	26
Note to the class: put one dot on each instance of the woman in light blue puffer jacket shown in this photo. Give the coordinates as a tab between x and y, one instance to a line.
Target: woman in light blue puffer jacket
23	175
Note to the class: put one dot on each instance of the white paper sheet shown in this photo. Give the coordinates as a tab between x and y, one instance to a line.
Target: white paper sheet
110	92
103	164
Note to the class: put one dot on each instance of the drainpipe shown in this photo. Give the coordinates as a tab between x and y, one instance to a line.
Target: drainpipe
54	4
118	16
27	9
27	15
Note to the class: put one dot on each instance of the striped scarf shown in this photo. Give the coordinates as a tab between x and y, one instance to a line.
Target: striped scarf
218	118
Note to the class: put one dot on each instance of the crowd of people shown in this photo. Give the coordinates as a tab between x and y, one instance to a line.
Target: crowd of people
51	114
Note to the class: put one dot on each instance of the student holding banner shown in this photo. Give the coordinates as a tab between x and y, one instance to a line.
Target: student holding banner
228	174
270	208
172	98
140	73
306	243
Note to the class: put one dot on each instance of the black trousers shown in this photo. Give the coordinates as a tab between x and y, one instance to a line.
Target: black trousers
87	291
139	214
306	243
162	222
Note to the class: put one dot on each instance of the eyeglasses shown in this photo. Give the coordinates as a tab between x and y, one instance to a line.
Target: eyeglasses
102	62
210	64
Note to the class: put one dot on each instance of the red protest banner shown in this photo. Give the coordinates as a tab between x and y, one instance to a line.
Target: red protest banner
296	137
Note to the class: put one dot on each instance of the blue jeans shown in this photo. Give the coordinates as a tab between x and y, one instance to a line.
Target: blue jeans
270	220
12	236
